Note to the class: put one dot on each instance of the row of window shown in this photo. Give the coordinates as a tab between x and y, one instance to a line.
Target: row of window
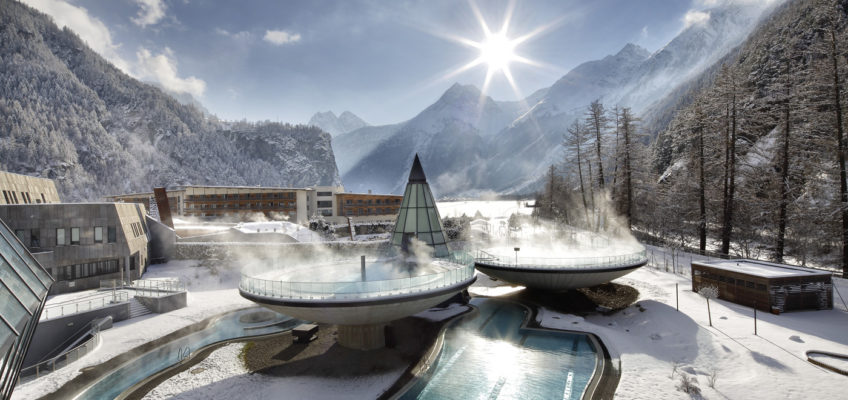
324	194
12	198
730	281
369	211
84	270
62	239
325	204
243	196
369	202
239	205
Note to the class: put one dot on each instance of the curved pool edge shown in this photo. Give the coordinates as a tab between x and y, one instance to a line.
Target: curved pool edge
602	384
90	375
412	374
607	373
140	389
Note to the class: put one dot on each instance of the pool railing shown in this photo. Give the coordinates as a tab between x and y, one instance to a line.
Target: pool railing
484	257
83	304
354	290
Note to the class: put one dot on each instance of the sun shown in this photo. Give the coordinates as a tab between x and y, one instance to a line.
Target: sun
497	51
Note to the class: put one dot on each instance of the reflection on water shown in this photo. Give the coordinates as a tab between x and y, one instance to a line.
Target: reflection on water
487	356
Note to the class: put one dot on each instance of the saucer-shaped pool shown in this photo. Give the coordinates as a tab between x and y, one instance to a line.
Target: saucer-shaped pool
341	292
562	267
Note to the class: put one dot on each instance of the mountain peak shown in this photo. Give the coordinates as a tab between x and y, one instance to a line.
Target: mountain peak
631	50
345	122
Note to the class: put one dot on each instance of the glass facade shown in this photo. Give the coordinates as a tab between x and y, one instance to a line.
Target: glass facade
418	217
23	290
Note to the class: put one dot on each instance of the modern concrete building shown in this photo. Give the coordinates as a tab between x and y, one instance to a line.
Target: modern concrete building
83	243
24	285
361	204
24	189
298	204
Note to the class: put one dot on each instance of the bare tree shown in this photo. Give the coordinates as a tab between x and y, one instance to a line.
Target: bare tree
597	120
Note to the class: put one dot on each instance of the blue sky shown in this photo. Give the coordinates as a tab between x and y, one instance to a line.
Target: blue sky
382	60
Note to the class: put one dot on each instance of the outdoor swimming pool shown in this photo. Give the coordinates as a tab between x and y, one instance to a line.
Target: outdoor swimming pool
489	356
229	326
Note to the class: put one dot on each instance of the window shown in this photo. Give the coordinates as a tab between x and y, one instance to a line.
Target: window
325	204
60	236
749	284
74	235
34	238
6	196
348	201
325	194
111	234
15	196
43	200
21	234
98	234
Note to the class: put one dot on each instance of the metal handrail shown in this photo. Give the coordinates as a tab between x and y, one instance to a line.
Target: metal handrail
361	289
82	305
62	360
555	263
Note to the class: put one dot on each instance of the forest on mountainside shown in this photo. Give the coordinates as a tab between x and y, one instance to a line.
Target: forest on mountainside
752	165
68	114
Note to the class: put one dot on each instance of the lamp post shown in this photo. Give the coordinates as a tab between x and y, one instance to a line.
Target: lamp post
516	254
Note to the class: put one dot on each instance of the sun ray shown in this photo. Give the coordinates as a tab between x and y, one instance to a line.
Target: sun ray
480	19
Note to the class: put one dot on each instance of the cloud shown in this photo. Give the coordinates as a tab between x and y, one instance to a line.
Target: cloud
150	12
90	29
241	35
280	38
694	17
162	68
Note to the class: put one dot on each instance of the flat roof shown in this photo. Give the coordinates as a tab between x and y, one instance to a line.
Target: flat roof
763	269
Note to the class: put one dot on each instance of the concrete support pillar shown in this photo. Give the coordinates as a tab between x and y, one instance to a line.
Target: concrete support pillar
362	337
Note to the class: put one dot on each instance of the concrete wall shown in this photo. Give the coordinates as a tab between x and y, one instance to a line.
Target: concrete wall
233	251
52	333
27	189
163	240
42	221
165	303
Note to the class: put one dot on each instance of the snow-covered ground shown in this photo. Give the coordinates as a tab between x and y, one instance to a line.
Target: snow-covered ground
211	292
298	232
223	376
489	209
652	339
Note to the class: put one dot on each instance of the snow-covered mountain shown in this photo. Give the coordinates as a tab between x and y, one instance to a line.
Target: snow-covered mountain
344	123
506	148
451	136
69	115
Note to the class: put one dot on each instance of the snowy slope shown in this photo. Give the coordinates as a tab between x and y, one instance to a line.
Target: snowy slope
330	123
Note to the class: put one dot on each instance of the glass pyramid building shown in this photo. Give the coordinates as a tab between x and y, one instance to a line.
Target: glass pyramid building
23	291
418	217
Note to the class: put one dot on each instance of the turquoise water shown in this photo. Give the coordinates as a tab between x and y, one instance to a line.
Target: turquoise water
225	328
488	356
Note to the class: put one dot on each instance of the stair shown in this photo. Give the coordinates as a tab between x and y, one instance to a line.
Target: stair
137	309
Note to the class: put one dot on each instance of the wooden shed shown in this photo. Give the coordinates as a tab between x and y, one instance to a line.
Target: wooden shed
764	285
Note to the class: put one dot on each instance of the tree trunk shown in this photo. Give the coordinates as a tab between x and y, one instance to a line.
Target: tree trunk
727	228
702	206
784	186
840	151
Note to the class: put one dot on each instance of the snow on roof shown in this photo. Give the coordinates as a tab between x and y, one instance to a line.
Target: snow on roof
763	268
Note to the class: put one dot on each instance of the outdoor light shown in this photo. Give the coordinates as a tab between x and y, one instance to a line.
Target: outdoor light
516	254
